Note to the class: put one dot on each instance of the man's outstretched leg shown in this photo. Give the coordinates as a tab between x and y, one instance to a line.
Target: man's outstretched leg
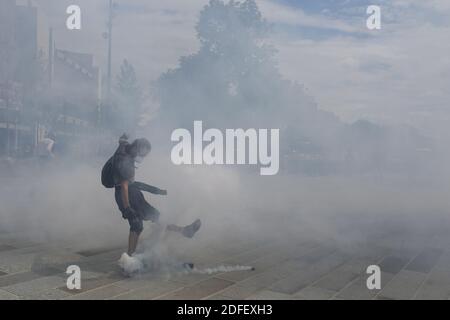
188	231
152	214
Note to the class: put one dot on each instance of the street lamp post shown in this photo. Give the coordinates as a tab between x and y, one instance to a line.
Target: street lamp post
107	35
109	47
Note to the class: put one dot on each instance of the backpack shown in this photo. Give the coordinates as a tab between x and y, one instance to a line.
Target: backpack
108	173
109	167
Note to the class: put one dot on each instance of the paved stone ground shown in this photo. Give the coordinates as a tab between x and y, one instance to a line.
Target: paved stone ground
413	267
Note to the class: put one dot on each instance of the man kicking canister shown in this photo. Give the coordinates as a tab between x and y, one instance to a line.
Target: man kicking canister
129	196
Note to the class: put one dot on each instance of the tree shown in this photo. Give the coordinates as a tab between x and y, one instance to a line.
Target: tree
233	81
129	97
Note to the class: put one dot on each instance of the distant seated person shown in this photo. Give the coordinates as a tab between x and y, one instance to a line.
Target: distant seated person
45	147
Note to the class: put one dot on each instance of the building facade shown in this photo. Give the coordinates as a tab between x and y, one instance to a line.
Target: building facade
42	88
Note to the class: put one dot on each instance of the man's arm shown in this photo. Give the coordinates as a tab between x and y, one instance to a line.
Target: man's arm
148	188
124	191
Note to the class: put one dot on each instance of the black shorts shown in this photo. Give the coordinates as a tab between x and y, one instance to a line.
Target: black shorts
144	211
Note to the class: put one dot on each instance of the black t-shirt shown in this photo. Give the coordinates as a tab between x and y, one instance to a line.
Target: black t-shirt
123	165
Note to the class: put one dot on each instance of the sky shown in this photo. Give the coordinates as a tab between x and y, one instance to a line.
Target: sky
397	75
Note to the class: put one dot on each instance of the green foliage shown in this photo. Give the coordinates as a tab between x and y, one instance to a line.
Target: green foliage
128	98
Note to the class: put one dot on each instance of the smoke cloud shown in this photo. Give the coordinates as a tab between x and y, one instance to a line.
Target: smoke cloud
345	182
